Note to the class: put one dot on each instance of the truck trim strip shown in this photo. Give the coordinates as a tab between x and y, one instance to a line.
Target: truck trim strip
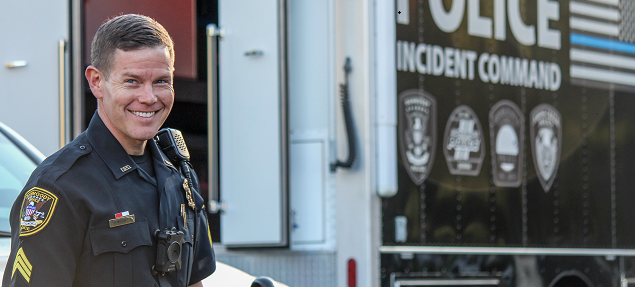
508	250
446	282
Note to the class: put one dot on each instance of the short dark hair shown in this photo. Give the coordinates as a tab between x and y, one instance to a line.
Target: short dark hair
127	32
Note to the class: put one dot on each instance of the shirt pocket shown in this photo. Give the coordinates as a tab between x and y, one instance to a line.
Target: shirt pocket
187	230
120	239
118	256
188	248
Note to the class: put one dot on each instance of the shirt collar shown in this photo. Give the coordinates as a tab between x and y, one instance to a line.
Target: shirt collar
160	159
113	153
109	148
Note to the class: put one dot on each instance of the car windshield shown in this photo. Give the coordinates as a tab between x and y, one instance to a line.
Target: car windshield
15	169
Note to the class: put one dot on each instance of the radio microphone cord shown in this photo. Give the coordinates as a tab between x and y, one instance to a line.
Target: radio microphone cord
348	120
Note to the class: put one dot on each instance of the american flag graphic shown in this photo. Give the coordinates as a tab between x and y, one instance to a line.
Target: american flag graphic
30	209
602	42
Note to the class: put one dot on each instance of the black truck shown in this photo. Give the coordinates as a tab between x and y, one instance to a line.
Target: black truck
515	138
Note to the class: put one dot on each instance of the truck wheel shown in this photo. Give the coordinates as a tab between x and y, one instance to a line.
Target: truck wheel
571	279
262	282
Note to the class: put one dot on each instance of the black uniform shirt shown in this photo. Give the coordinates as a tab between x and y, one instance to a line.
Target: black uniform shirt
145	162
60	223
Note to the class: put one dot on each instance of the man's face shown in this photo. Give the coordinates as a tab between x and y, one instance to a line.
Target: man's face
137	96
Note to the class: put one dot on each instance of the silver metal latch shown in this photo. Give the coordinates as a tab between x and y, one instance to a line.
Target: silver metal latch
254	53
15	64
216	206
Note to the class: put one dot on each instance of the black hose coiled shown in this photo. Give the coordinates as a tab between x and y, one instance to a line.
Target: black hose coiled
348	119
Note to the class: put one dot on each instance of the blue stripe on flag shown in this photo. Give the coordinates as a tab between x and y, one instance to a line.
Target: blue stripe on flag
601	43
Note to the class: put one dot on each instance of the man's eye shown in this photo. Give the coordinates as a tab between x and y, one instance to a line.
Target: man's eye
130	81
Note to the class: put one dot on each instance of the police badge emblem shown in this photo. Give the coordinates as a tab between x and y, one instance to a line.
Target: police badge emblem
546	142
463	144
417	133
37	210
506	130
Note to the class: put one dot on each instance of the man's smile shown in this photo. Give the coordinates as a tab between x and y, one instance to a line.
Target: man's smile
144	114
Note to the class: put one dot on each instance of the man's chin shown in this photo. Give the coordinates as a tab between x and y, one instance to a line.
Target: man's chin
145	134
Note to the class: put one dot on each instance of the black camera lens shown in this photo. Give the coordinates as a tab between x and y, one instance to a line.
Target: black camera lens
174	252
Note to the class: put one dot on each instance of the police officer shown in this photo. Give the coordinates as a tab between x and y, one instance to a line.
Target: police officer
110	209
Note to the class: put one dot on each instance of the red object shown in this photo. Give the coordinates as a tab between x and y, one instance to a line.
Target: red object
118	215
177	16
352	273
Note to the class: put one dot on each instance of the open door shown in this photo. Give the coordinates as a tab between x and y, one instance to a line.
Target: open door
252	123
33	71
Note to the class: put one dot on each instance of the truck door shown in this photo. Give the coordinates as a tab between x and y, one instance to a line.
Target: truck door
230	106
252	123
33	54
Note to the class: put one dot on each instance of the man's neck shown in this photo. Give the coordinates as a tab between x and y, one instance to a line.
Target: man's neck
132	147
136	149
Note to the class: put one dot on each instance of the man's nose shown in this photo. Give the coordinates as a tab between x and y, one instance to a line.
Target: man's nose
147	95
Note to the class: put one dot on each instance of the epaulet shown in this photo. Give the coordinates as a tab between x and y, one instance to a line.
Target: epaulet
62	161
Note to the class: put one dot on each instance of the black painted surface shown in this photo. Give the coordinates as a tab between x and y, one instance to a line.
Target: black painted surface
462	210
625	166
576	211
509	270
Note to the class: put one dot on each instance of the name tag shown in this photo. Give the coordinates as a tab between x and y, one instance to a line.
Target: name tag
123	220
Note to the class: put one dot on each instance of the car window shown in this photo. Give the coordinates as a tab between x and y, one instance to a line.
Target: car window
15	169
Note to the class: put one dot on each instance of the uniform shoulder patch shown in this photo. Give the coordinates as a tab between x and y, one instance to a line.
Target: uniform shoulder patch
37	209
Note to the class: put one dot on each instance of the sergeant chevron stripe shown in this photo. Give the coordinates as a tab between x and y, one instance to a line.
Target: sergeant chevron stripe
23	265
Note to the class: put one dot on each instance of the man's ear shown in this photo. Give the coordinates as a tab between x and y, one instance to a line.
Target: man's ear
95	80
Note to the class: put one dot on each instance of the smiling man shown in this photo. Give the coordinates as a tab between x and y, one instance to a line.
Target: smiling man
110	209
